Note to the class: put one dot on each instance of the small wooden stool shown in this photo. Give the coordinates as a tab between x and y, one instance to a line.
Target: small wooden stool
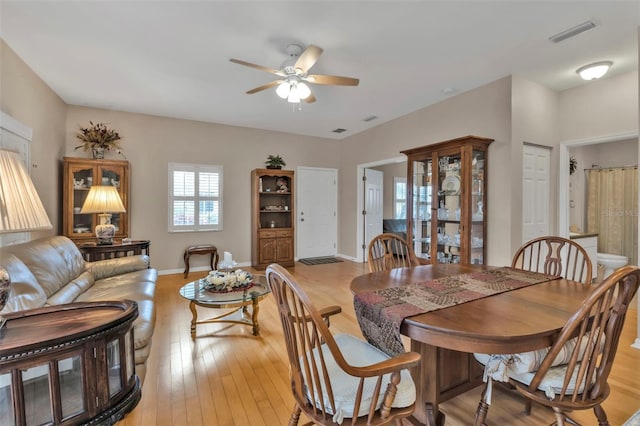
200	249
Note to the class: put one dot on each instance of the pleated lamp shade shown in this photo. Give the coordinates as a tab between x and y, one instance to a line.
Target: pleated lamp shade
103	199
20	207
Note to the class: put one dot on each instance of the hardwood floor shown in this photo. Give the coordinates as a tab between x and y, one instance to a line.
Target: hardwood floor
229	377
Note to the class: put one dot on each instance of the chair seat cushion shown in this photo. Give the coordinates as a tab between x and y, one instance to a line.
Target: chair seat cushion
359	353
523	366
552	382
501	366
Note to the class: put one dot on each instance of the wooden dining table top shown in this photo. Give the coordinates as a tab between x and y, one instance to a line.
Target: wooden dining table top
513	321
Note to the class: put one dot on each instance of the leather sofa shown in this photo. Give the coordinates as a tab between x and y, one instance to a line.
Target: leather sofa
52	271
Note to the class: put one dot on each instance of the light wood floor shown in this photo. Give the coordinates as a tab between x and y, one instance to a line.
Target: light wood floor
229	377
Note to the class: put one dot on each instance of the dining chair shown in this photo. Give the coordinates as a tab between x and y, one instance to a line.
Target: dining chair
555	256
572	373
388	251
338	378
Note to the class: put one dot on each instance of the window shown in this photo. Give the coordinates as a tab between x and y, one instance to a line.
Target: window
195	197
399	198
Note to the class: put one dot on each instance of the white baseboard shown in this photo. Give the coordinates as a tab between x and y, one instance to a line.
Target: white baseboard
636	344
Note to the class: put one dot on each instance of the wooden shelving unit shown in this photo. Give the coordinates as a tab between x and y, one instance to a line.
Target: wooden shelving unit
272	217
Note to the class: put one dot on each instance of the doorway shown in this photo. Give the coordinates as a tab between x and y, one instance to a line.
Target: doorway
360	222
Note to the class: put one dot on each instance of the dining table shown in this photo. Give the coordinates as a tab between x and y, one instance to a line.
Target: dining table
513	321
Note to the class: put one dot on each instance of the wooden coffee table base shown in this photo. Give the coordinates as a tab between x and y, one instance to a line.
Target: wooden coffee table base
245	317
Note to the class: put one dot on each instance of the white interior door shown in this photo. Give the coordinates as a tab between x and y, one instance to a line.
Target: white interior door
373	204
317	221
536	165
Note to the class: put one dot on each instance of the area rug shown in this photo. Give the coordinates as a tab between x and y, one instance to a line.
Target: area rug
634	420
380	312
319	260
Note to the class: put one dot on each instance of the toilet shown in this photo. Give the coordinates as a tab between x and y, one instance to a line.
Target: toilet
611	262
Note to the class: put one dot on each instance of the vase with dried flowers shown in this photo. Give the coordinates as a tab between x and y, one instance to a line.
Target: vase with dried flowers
98	138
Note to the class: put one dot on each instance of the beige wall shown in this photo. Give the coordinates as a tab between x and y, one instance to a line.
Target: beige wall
535	120
25	97
600	108
485	111
151	142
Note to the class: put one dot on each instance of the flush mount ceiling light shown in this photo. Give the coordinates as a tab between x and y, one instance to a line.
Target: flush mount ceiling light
594	71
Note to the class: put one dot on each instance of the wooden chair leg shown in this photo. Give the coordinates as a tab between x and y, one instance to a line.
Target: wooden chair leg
527	407
483	409
559	417
295	416
601	415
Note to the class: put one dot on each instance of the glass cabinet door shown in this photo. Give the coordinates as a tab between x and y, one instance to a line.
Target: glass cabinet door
422	205
448	236
478	192
83	179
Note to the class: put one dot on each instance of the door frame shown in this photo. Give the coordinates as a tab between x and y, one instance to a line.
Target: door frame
360	257
563	190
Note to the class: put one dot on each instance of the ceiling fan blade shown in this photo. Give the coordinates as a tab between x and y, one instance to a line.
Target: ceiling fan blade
332	79
310	99
260	67
263	87
308	58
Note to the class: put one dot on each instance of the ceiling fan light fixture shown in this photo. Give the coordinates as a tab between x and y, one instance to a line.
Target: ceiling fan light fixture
283	89
294	95
594	71
303	90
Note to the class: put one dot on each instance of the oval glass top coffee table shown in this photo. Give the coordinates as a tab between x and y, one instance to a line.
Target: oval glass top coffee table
238	300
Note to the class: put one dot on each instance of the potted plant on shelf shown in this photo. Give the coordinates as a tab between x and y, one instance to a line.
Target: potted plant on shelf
275	162
98	138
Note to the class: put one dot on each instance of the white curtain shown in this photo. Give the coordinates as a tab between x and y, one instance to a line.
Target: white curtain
612	210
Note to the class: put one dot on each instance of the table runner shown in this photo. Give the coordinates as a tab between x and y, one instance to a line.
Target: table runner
380	312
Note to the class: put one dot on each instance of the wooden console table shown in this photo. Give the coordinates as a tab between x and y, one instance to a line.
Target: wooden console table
92	251
57	369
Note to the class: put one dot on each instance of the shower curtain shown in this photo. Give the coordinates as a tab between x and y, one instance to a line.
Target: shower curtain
612	210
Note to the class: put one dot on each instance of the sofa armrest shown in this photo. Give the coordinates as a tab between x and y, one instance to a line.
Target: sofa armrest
121	265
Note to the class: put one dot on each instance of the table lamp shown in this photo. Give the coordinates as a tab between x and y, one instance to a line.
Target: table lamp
20	209
105	200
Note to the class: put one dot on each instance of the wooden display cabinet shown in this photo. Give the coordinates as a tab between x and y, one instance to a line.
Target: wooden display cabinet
58	370
272	218
79	174
446	200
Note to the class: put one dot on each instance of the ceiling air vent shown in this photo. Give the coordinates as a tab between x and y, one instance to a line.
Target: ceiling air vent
339	130
370	118
585	26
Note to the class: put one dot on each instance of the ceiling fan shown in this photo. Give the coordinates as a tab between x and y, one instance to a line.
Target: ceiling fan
295	75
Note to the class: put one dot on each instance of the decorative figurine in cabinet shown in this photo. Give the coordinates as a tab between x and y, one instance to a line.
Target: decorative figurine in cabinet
446	200
79	174
272	217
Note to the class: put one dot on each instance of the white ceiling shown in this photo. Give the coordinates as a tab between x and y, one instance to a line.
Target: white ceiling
171	58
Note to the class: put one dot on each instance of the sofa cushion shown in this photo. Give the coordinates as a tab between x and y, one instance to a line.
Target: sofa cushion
70	292
54	261
25	292
138	286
